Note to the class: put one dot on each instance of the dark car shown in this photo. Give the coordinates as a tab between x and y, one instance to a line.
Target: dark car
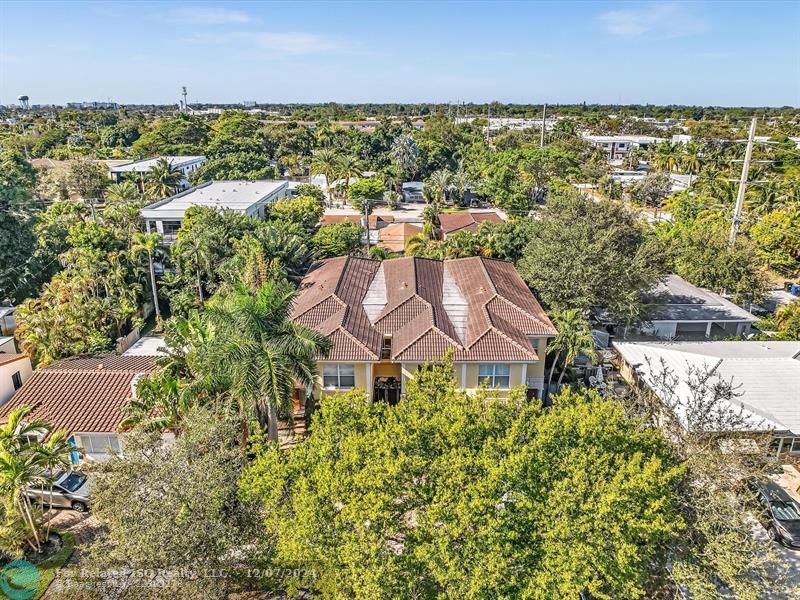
70	490
778	512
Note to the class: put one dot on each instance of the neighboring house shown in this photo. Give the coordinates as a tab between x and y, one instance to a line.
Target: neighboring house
617	146
386	318
84	396
412	191
14	371
185	164
765	375
676	309
245	197
375	221
465	221
395	236
7	345
8	322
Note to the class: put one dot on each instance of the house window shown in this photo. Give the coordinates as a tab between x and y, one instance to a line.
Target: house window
171	227
339	376
100	444
497	375
16	379
795	445
386	348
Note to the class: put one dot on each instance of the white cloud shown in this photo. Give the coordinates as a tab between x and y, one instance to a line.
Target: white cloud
288	43
204	15
664	20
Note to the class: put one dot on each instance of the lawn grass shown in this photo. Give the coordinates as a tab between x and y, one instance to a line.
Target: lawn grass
48	568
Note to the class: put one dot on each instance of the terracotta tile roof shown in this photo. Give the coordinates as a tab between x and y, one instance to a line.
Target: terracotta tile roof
375	221
477	307
468	221
81	394
394	237
6	358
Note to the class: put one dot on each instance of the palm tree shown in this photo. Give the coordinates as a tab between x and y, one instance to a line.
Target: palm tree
692	161
263	351
54	456
574	339
461	182
349	167
440	181
667	157
405	155
163	180
125	190
160	404
326	162
148	243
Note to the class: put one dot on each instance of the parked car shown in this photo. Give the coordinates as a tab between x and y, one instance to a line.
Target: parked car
71	489
778	512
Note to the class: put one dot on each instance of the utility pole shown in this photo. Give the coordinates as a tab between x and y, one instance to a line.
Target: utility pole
748	154
544	114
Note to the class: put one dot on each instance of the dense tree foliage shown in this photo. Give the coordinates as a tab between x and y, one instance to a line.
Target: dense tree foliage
586	254
452	495
337	239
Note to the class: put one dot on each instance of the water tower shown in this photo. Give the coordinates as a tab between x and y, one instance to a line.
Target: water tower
23	102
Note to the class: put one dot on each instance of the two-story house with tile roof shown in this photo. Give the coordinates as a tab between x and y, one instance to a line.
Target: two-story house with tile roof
385	319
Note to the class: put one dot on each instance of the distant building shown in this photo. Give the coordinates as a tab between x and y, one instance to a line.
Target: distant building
185	164
450	223
14	371
245	197
93	105
617	146
676	309
395	236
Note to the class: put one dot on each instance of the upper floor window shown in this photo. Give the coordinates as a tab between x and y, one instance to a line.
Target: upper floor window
16	379
386	348
497	375
171	227
100	444
339	376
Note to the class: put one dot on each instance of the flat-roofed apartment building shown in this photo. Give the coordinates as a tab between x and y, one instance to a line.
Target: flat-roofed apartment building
185	164
245	197
385	319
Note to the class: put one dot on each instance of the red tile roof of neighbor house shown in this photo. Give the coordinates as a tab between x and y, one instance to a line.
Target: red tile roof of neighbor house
394	237
6	358
468	221
479	308
375	221
84	394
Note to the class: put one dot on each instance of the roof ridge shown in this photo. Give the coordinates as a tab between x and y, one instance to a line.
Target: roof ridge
345	331
488	277
321	300
494	329
414	340
522	310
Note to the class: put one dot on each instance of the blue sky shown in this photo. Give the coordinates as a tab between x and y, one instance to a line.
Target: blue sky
725	53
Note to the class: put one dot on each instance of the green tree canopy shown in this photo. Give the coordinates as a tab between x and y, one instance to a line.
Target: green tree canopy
337	239
305	211
455	495
584	254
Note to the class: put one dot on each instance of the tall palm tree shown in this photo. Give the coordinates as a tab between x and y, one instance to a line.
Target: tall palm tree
54	456
263	351
326	162
163	180
148	244
349	167
405	155
692	160
574	339
461	182
667	157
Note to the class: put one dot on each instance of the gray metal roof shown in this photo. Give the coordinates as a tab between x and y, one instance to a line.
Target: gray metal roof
766	374
678	300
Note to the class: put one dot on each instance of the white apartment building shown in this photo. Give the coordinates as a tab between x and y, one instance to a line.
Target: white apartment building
185	164
618	146
245	197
